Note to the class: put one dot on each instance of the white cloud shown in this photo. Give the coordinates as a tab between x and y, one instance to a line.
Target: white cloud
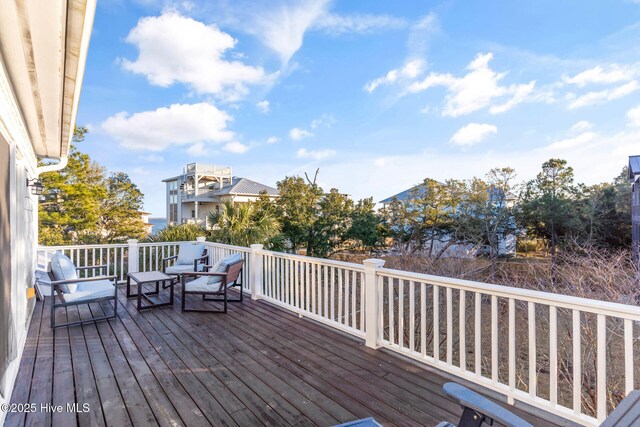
581	126
634	116
475	90
235	147
298	133
357	23
473	133
410	70
599	74
325	120
315	154
602	96
272	140
178	124
199	149
152	158
263	106
282	28
173	48
573	142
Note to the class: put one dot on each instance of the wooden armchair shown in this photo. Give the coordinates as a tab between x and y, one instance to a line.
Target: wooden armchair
214	285
194	261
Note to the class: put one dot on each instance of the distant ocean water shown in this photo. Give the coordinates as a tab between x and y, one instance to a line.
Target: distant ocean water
158	224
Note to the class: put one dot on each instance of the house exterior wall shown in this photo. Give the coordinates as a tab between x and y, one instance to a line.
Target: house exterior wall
18	215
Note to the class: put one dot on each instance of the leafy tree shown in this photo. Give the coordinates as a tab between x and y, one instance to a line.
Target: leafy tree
243	225
547	208
329	231
297	209
80	204
119	217
367	230
70	209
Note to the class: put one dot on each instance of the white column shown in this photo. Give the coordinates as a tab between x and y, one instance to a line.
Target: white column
372	303
134	255
201	239
255	271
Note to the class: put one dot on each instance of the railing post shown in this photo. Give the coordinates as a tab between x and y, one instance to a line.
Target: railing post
134	255
372	301
201	239
255	271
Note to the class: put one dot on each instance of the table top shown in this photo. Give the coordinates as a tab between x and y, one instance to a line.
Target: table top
149	276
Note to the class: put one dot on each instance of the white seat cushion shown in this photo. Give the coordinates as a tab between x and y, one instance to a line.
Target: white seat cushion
201	284
90	290
181	268
188	252
63	269
43	282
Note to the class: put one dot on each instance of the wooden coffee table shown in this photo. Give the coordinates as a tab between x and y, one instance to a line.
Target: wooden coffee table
150	277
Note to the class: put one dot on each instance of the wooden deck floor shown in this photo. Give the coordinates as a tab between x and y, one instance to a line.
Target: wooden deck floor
257	365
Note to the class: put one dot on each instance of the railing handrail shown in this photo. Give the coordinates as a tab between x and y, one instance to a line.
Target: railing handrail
331	262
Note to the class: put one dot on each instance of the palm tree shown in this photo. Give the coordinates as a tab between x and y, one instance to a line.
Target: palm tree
242	225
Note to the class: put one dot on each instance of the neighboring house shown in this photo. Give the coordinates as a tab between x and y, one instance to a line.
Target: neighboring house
43	50
144	216
204	188
506	244
634	177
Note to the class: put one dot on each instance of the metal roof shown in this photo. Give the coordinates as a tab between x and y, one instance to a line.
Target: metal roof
634	167
402	196
244	186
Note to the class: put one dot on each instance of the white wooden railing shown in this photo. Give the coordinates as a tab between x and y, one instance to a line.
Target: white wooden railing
570	356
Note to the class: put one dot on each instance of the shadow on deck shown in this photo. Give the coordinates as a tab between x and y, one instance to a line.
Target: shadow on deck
257	365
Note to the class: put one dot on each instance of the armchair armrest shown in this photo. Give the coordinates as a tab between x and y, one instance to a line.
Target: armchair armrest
166	260
203	273
473	403
203	259
82	280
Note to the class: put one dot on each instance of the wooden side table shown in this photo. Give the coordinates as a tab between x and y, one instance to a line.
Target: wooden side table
150	277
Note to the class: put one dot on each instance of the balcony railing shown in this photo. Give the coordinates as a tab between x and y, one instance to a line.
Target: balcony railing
570	356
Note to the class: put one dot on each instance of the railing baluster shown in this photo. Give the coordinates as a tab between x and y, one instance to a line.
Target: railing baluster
462	318
392	322
400	313
477	349
533	374
436	323
332	292
423	319
601	375
553	355
348	285
494	338
354	293
362	303
628	356
512	347
577	362
325	282
340	313
412	315
449	296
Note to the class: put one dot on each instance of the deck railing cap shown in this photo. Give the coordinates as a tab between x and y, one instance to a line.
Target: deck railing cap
373	262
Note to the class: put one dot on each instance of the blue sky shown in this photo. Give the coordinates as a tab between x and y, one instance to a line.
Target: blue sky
379	95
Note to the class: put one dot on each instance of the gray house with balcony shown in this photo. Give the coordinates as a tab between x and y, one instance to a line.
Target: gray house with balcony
203	188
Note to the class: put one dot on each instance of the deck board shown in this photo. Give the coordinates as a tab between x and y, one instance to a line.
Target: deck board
256	365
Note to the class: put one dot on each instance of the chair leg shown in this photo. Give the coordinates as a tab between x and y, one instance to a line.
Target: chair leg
184	296
225	299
